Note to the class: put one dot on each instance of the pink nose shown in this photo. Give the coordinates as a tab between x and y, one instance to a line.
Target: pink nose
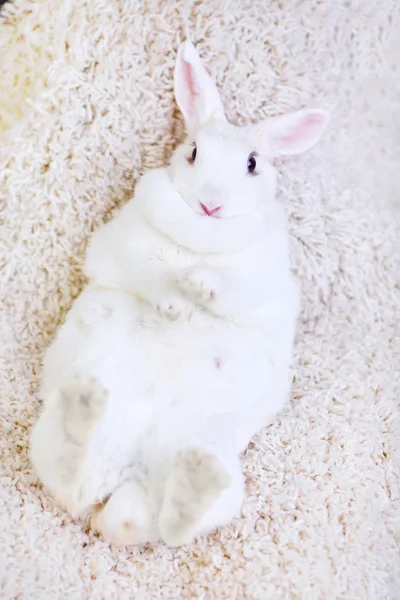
211	200
210	211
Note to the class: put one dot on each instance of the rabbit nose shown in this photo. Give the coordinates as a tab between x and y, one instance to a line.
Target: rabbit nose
210	211
210	200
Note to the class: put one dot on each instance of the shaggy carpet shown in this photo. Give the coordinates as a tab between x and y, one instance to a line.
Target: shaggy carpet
86	103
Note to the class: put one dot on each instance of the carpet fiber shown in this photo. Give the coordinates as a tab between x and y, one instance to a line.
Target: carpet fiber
86	104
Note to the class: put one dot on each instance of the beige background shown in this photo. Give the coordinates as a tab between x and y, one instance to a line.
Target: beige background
86	104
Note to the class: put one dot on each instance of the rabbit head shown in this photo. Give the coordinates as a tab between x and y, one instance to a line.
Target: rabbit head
223	171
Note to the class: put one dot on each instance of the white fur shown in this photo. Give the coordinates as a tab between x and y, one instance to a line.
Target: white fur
178	349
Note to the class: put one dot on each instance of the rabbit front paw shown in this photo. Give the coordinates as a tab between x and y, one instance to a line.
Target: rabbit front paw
174	308
200	285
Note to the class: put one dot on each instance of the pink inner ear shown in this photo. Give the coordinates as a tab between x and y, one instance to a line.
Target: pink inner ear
190	84
303	130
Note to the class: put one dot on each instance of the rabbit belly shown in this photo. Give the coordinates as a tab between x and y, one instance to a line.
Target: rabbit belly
214	368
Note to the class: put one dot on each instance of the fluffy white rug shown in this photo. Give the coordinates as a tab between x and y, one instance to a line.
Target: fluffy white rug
85	104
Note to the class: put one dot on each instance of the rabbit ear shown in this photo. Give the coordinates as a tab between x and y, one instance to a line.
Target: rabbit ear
195	92
294	132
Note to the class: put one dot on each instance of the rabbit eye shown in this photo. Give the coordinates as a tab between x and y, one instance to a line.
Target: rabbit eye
251	163
192	157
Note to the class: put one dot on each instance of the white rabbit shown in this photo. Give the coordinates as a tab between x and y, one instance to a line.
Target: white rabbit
178	349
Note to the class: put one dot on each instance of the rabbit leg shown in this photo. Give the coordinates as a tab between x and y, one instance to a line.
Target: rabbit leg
61	437
200	494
